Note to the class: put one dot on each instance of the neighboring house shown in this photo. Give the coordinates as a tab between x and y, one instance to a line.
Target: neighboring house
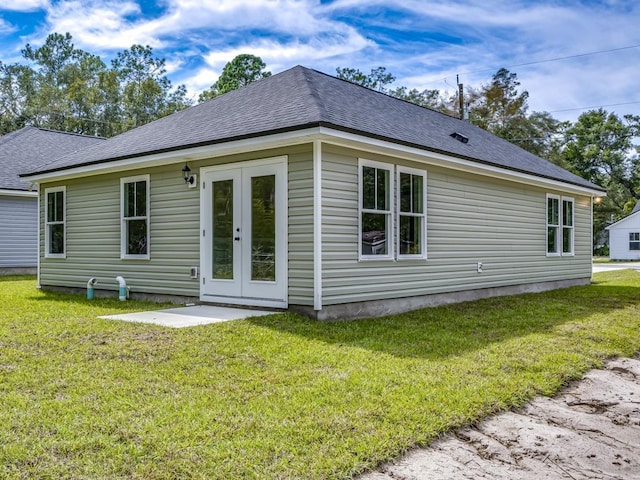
624	237
25	150
311	193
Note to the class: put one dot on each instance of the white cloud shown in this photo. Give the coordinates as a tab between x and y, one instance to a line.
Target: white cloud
424	43
24	5
101	25
6	27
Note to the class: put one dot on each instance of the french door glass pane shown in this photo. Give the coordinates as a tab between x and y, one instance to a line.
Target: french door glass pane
263	228
223	230
410	235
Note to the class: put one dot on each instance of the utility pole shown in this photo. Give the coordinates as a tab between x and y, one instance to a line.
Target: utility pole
460	97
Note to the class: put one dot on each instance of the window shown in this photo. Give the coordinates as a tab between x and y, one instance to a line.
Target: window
553	224
634	240
411	213
559	225
134	194
55	212
376	193
567	226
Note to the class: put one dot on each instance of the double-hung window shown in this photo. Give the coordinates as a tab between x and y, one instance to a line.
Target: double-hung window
560	219
567	226
634	240
55	224
376	194
134	206
411	213
392	227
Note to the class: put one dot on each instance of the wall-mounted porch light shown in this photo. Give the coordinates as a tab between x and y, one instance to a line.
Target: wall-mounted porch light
189	179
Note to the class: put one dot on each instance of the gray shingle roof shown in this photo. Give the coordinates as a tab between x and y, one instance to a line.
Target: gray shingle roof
300	98
29	148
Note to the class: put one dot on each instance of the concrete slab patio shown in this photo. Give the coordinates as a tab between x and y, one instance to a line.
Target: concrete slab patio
590	430
188	316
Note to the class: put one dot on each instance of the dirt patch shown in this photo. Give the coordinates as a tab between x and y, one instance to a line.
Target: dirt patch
591	430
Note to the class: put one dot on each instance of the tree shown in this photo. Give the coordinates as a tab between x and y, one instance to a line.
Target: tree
56	67
239	72
502	109
16	88
146	93
599	147
65	88
378	79
425	98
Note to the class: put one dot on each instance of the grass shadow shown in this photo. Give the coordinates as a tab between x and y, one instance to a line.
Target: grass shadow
440	332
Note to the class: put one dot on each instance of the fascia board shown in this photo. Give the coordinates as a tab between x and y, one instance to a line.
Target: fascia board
325	134
17	193
177	156
360	142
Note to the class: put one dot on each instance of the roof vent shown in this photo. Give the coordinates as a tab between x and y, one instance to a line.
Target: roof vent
460	137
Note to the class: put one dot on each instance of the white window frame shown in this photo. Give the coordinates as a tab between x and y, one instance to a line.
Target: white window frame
563	226
421	173
560	227
634	237
389	213
48	224
123	220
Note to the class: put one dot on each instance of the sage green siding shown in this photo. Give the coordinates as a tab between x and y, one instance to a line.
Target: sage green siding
300	177
93	236
93	230
470	219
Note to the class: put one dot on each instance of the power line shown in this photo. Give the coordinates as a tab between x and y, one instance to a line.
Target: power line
595	106
578	55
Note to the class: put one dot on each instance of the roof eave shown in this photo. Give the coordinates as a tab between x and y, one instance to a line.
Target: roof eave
325	131
10	192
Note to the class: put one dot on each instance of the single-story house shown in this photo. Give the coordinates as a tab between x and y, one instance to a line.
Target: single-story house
624	237
25	150
307	192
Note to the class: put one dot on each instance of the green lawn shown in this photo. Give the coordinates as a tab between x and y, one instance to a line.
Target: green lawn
280	396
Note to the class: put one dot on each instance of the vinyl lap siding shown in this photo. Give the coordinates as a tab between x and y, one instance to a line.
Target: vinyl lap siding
470	219
93	231
93	237
18	231
300	178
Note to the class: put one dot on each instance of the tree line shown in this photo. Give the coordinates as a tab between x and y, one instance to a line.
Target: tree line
64	88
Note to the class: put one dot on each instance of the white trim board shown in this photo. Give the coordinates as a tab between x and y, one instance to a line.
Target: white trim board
326	135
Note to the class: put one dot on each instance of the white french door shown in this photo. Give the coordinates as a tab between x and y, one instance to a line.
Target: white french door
243	248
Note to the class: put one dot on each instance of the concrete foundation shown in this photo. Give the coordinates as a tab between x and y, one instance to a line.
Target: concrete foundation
17	271
103	293
352	311
379	308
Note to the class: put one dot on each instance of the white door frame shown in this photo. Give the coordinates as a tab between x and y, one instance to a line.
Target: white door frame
239	291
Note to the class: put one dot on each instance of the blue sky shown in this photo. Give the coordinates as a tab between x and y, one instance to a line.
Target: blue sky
424	43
